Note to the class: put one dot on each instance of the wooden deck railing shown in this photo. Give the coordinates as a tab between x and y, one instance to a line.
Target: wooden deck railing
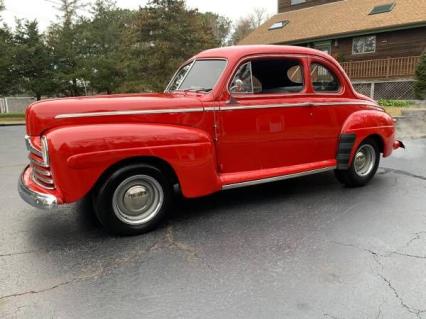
382	68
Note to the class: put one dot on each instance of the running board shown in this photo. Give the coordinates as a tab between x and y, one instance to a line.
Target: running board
278	178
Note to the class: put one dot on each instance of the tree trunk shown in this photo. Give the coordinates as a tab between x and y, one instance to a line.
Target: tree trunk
74	87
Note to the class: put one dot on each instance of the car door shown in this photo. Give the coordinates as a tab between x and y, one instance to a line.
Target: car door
331	106
268	122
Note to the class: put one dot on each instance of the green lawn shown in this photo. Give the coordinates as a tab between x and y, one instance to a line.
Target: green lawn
12	117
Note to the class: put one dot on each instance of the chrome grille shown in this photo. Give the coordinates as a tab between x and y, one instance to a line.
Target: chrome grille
41	173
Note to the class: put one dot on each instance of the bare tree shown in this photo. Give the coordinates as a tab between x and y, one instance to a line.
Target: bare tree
258	17
248	24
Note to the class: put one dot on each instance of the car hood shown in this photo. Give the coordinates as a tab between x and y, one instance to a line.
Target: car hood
44	115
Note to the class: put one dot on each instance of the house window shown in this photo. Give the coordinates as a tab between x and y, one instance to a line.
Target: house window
364	45
294	2
323	46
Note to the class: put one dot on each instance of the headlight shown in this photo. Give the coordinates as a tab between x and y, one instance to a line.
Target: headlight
45	150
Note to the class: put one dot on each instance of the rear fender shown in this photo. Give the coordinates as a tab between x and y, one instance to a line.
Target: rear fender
81	154
361	125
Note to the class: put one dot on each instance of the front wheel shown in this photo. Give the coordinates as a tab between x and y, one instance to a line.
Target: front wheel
364	165
133	200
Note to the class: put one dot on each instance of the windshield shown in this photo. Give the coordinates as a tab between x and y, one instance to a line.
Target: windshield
200	75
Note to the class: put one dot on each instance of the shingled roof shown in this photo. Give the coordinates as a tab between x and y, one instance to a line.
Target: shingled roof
339	19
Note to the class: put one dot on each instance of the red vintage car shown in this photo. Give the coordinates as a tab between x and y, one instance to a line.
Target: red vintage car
230	117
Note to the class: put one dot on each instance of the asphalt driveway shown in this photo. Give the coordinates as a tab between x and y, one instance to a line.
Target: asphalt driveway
304	248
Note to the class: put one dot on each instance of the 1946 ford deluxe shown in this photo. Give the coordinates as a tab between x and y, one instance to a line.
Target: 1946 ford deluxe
230	117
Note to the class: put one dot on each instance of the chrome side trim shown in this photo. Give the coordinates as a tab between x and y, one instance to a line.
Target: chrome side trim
117	113
286	105
265	106
36	199
210	109
277	178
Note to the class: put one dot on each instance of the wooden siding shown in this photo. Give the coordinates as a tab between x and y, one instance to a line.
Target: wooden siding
285	5
382	68
410	42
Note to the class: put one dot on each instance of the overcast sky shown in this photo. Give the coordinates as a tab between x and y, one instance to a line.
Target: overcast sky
43	11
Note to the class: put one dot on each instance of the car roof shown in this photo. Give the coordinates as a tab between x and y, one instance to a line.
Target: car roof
237	52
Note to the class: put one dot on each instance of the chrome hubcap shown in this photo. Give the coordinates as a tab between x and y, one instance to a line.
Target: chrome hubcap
138	199
364	160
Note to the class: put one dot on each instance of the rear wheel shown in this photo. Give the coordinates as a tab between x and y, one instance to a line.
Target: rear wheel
133	200
364	165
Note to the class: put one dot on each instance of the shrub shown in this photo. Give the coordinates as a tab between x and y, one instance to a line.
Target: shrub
394	103
420	88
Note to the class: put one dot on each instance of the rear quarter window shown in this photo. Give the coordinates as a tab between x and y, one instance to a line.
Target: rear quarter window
323	80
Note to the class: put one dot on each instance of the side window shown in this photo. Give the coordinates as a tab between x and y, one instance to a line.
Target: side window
323	80
269	76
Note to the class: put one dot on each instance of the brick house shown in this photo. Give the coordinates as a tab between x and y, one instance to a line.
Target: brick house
376	41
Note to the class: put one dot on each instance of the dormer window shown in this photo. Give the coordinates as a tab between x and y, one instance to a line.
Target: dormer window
278	25
383	8
295	2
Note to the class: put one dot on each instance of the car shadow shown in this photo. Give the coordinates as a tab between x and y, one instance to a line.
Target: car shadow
186	209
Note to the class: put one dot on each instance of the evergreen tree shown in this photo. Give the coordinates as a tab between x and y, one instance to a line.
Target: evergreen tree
101	49
219	26
111	50
163	35
33	60
8	79
62	38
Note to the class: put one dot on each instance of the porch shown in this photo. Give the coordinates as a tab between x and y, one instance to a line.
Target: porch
403	67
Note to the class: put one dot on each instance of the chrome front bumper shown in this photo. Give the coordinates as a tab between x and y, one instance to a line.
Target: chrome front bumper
36	199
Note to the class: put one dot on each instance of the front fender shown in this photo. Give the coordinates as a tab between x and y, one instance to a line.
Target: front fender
81	154
365	123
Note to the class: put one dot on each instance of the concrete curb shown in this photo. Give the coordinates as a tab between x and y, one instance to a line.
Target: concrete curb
12	124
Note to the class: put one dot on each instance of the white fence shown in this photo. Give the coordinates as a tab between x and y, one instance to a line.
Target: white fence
15	104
